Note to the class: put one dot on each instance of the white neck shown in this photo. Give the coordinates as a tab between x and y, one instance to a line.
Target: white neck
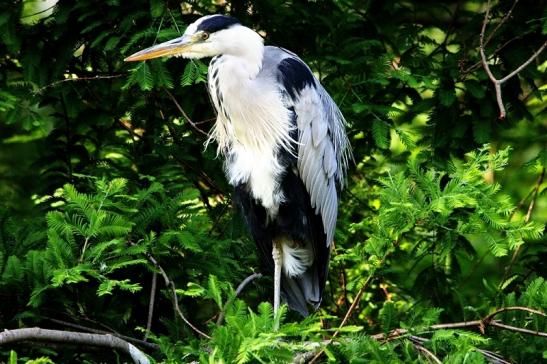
244	47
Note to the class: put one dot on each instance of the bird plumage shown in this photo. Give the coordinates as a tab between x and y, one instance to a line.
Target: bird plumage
284	143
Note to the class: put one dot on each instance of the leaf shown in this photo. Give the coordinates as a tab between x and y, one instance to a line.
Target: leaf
214	291
162	77
195	72
475	88
380	133
157	8
388	316
193	290
141	76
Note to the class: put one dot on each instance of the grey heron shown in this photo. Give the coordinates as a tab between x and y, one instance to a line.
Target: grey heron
285	148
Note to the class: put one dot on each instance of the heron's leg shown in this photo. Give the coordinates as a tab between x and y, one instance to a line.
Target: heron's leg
277	256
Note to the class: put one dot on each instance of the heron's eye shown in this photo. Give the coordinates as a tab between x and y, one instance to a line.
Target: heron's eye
204	36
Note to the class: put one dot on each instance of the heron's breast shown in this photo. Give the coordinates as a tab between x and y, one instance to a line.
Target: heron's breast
260	170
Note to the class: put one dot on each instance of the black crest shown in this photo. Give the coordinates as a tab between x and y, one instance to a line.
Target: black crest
216	23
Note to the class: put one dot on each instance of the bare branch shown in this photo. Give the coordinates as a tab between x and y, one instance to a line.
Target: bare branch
106	340
512	308
516	253
503	20
518	329
525	64
103	332
151	305
497	83
481	324
170	284
79	78
181	110
346	317
239	289
425	352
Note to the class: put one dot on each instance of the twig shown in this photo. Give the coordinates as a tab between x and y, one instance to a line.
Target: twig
239	289
513	308
169	283
428	354
490	356
151	305
493	357
525	64
534	198
488	319
84	78
181	110
497	83
481	324
103	332
346	317
516	253
518	329
106	340
503	20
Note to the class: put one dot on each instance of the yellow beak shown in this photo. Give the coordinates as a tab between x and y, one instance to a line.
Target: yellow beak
169	48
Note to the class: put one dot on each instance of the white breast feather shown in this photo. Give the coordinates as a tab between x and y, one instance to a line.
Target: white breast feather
258	126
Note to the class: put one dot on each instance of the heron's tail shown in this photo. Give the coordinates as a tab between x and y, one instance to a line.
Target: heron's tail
302	290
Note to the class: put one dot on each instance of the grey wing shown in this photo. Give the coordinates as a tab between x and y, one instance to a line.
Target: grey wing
323	149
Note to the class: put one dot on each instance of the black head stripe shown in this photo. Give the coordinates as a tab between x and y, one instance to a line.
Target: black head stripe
216	23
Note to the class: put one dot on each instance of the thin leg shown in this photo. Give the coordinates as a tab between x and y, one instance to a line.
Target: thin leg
278	260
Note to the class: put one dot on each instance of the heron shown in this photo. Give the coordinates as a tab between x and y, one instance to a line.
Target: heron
284	145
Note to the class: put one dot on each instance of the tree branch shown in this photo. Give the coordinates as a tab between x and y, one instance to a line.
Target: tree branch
487	319
151	305
170	284
239	289
525	64
503	20
106	340
103	332
518	329
346	317
516	253
497	83
181	110
481	324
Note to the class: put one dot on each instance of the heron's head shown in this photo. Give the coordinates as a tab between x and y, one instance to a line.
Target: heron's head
209	36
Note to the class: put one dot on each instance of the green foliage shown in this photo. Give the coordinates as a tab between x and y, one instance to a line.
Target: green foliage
102	183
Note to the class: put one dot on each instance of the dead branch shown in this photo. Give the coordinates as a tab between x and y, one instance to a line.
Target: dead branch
71	337
498	82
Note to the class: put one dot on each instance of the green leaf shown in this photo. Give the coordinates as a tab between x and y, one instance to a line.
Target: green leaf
12	357
380	133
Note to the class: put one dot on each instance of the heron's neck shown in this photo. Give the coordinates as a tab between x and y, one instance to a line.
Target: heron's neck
247	62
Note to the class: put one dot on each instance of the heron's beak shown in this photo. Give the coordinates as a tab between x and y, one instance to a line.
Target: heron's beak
169	48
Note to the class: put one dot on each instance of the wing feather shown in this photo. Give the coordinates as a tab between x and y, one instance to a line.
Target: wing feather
323	147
